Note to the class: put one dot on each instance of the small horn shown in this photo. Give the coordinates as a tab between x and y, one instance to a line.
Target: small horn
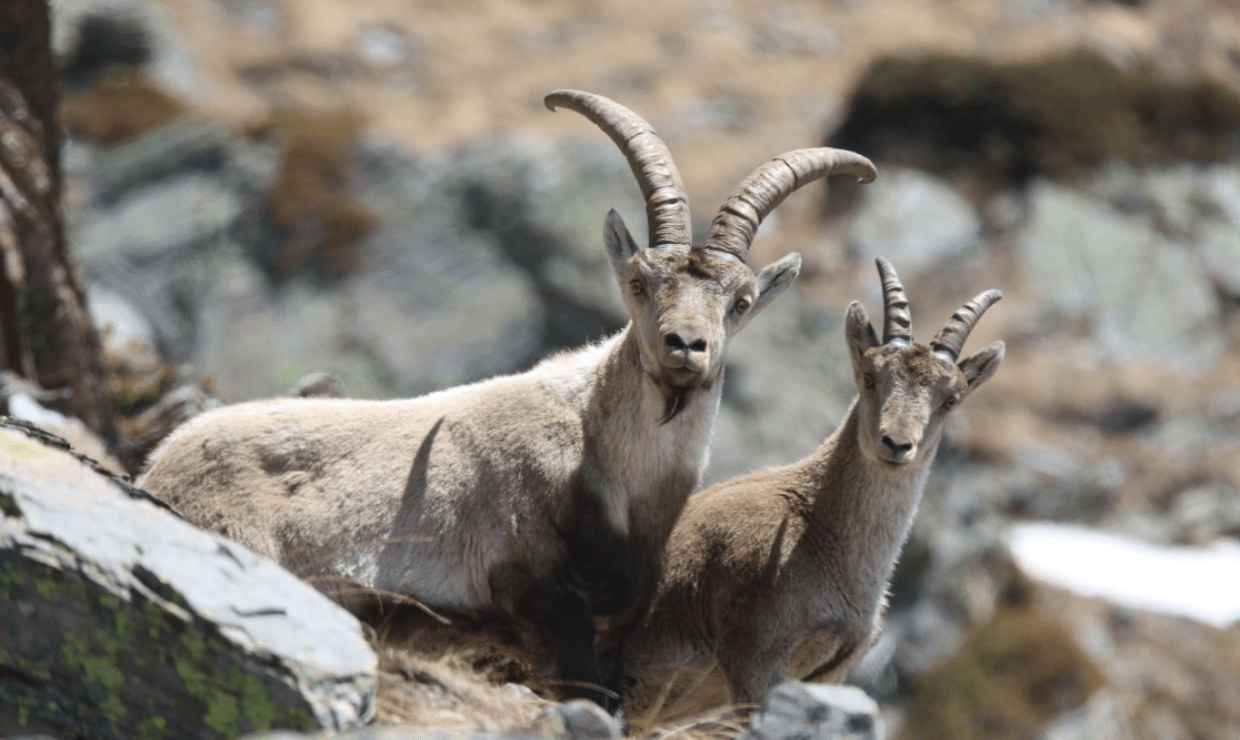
951	338
766	187
897	321
667	204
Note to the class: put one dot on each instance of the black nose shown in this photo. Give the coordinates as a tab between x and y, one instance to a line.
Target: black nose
896	447
675	342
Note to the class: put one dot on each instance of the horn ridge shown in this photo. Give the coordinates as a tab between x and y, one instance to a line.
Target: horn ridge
897	319
667	203
766	187
951	338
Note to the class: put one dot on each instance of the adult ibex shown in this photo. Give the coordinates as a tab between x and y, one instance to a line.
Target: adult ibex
543	499
784	571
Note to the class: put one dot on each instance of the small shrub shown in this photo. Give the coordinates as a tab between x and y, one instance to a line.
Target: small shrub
121	105
1013	675
309	202
1001	124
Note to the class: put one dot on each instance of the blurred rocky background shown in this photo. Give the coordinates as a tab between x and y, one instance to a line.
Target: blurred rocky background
258	190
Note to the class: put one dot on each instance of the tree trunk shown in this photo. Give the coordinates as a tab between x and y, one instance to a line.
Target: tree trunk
46	333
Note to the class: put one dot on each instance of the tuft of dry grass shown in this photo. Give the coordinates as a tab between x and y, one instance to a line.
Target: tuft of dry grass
1012	676
121	106
447	692
476	675
309	201
150	398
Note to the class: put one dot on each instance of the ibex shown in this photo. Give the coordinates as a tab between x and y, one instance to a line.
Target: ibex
544	498
784	571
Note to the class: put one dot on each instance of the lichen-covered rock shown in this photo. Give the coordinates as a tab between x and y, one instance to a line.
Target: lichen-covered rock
119	620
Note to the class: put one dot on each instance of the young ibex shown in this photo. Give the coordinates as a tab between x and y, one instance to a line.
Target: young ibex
783	572
542	499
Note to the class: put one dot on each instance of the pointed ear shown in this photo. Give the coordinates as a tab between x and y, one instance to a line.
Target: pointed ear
859	333
979	367
619	243
775	279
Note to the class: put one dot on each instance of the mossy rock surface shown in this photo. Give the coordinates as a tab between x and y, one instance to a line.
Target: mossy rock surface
119	620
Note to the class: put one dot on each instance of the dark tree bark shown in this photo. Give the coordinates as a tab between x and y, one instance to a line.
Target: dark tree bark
46	333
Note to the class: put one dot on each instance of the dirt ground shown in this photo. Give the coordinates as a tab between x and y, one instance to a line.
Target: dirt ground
728	84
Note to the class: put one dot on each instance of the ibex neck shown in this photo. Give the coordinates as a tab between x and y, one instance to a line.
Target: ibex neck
862	507
628	405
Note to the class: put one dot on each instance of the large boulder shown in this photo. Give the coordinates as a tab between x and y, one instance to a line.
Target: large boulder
119	620
914	219
1128	268
788	383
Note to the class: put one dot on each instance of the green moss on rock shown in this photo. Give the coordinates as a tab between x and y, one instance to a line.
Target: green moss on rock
81	658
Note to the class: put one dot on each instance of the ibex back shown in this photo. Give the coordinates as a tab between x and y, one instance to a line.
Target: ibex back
543	499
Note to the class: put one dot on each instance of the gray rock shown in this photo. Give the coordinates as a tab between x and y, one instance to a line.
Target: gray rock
122	621
544	203
262	16
1220	251
429	308
383	46
913	219
164	153
1101	718
578	719
788	383
1145	296
801	711
318	385
190	212
118	316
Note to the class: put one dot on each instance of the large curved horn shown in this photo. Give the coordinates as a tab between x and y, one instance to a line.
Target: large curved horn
667	204
766	187
897	321
950	339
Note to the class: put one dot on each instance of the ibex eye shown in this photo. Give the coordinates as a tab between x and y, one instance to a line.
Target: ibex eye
868	380
950	402
635	287
742	305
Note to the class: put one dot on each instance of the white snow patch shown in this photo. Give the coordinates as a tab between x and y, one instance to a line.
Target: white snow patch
1199	583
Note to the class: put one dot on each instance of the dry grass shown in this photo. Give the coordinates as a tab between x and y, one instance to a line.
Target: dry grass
446	692
121	106
459	675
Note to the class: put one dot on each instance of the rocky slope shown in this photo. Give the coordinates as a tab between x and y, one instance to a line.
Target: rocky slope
479	252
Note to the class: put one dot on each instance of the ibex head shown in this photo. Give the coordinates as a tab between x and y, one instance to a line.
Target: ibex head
907	389
687	301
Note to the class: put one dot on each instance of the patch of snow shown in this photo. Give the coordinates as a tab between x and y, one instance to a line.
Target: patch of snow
1199	583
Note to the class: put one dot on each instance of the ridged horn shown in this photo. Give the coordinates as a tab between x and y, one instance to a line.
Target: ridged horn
766	187
897	321
667	204
951	338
